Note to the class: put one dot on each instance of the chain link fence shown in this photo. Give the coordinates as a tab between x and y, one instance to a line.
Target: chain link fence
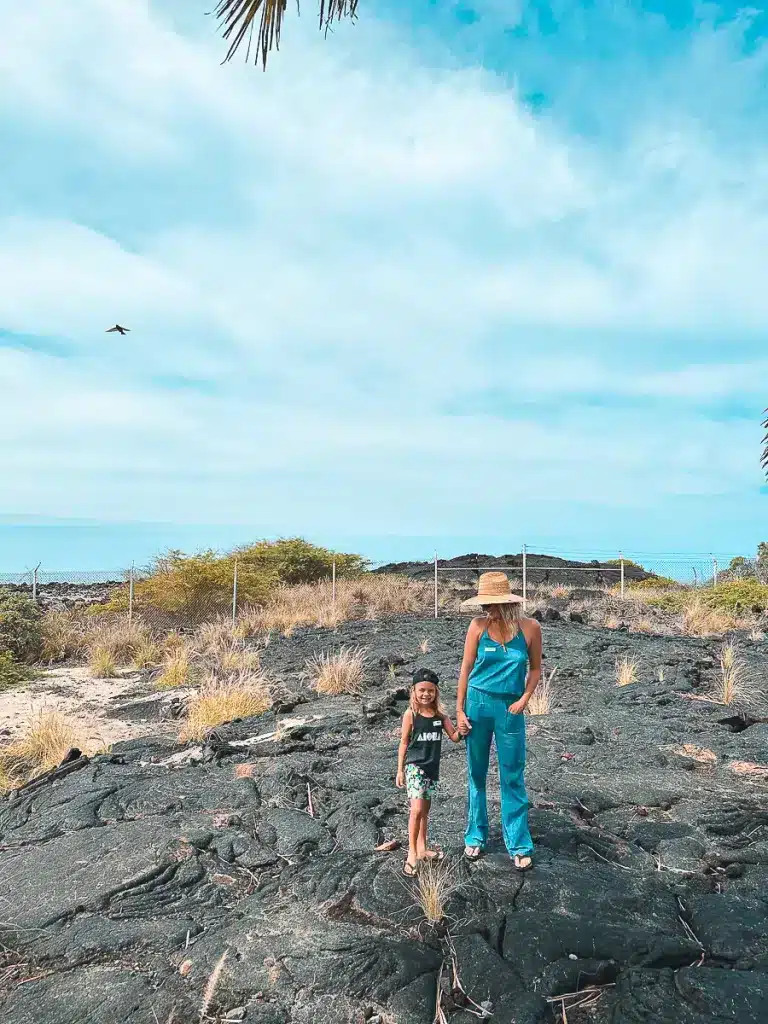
434	585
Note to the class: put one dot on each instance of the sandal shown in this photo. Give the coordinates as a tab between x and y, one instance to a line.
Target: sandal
410	870
519	858
434	855
472	852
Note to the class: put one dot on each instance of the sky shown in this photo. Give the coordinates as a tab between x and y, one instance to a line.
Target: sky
456	276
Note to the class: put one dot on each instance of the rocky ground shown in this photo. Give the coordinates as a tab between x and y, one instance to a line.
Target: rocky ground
133	882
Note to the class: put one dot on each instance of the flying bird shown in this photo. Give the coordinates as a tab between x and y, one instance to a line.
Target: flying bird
118	328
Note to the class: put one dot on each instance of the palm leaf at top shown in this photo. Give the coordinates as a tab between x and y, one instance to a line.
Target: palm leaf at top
240	17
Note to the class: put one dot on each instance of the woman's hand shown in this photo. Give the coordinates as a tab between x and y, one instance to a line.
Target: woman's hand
519	706
462	724
400	780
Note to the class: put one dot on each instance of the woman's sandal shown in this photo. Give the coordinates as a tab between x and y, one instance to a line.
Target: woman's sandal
517	861
410	870
472	852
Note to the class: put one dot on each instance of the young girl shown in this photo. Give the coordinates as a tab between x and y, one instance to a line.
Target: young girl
418	763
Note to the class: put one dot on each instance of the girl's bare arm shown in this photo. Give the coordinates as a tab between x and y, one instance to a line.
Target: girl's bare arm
452	732
474	632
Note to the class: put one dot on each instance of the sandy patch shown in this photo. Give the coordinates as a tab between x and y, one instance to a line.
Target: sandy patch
94	706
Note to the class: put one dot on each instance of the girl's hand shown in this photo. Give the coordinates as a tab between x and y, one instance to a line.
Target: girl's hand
462	723
518	707
400	780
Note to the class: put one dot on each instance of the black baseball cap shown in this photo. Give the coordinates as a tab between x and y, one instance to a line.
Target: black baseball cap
425	675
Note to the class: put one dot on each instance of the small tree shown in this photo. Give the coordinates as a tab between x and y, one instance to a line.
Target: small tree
295	560
762	554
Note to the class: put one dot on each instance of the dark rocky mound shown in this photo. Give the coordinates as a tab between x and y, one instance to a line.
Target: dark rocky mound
125	880
546	569
61	595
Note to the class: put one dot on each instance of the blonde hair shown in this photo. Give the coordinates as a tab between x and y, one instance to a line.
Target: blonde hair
506	616
413	704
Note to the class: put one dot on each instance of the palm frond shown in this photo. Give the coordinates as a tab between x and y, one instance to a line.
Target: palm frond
764	457
239	18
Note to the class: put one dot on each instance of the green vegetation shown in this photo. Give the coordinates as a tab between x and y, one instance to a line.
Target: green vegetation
737	596
655	583
12	673
628	564
20	627
198	587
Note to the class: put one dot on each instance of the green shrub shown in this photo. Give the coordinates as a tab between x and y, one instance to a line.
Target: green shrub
11	672
198	587
656	583
295	560
20	628
737	596
628	564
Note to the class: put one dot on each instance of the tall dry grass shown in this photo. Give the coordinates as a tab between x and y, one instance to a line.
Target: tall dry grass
626	671
175	669
437	882
542	698
338	673
698	619
220	702
732	682
65	635
39	749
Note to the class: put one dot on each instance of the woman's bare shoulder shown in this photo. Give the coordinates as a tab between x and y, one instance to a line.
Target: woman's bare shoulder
531	627
478	624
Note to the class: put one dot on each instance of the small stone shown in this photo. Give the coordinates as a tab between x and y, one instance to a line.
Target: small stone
238	1013
552	615
577	617
572	956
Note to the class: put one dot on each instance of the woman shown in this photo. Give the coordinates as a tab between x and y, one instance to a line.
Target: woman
500	670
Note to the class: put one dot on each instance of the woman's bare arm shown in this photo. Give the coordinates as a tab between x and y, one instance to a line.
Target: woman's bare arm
474	632
533	639
405	735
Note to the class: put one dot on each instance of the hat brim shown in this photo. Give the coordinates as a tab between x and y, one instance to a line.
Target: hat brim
479	601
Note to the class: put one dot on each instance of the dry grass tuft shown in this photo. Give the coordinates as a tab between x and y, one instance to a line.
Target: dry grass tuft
437	882
561	590
338	673
218	703
101	662
660	675
643	626
212	985
41	748
700	620
757	636
731	681
146	655
541	699
65	635
611	622
425	645
626	671
175	670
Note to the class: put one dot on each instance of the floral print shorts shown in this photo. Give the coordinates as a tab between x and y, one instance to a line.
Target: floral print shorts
418	784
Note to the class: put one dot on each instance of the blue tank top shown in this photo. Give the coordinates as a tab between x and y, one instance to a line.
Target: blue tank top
499	669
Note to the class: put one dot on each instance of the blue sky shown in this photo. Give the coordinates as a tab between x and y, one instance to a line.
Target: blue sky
459	272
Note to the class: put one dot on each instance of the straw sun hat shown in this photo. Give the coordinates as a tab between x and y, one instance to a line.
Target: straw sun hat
492	588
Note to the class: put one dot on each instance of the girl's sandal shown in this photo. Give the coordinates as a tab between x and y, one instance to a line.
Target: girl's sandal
472	852
410	870
518	859
434	855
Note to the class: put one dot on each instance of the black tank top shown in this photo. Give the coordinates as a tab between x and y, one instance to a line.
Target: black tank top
425	743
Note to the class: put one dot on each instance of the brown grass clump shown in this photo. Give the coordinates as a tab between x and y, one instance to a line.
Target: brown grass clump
102	663
146	655
541	699
342	672
561	590
41	748
65	635
626	671
437	882
698	619
218	703
611	622
643	626
175	670
731	684
425	645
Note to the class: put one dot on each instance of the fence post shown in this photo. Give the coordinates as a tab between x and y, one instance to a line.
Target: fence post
234	596
695	577
333	584
34	582
714	573
130	594
435	584
621	559
525	575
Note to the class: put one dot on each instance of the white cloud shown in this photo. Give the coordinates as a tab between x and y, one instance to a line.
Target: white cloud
395	220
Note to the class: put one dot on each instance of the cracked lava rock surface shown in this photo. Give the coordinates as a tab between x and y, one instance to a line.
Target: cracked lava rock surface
128	879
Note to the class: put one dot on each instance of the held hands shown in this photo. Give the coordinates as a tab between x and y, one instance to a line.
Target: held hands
462	724
400	780
519	706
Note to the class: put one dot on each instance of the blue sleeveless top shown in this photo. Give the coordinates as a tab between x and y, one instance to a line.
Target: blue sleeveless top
499	669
